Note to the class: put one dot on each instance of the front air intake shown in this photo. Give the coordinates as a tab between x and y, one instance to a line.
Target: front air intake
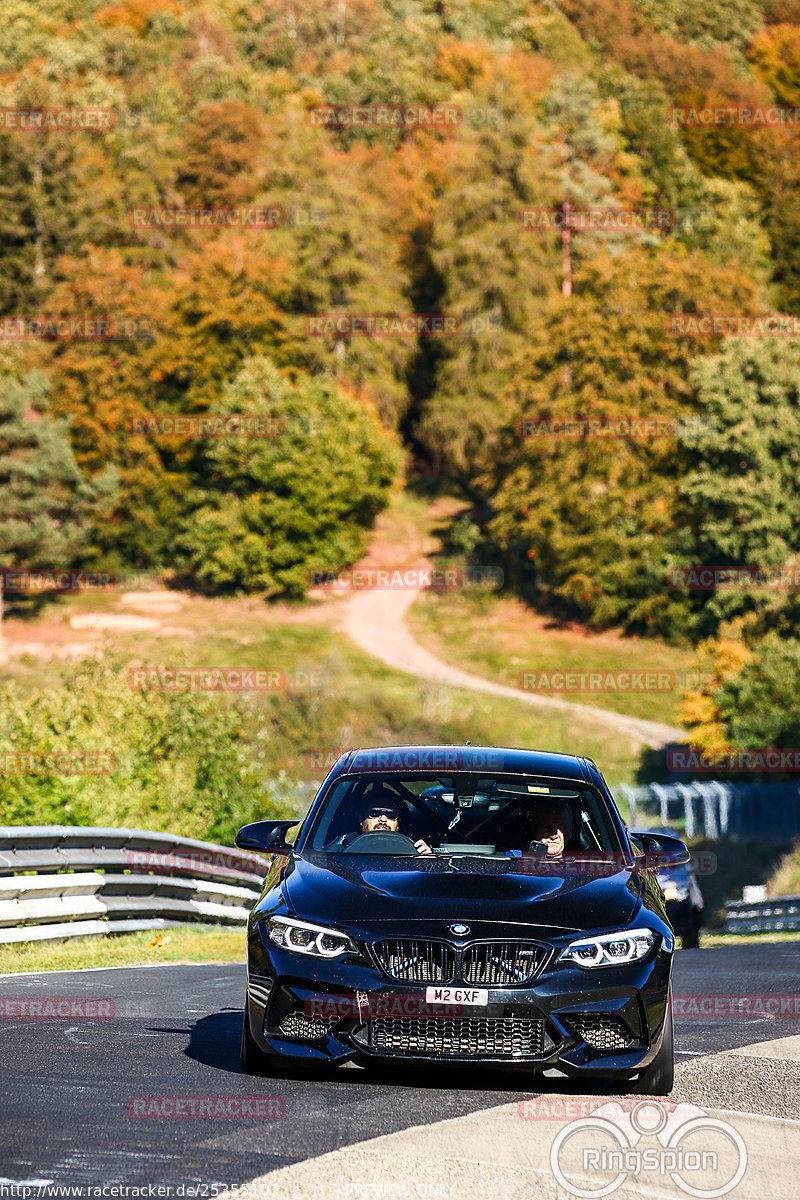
603	1031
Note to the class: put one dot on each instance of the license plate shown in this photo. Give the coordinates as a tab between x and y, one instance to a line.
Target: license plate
456	995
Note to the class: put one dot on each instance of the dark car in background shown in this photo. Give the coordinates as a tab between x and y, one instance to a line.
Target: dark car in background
682	895
415	919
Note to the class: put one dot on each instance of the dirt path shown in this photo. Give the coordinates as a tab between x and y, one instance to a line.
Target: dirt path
376	621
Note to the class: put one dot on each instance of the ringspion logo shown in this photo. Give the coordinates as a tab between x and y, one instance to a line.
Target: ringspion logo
594	1156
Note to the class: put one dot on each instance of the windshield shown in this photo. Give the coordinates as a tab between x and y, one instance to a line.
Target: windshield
460	814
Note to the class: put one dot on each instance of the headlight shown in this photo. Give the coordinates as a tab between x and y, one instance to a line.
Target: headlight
673	892
304	938
610	949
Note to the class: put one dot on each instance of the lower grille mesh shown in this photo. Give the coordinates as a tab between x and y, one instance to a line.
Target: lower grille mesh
603	1031
456	1037
298	1025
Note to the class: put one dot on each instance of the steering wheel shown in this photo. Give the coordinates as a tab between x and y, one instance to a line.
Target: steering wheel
382	841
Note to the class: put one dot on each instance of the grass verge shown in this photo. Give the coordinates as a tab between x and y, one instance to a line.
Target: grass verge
501	639
181	944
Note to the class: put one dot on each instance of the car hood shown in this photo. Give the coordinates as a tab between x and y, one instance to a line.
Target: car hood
361	891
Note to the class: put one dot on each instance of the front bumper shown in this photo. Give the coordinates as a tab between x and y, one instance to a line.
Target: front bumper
607	1021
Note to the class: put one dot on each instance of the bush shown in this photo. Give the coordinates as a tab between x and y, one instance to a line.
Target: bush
179	761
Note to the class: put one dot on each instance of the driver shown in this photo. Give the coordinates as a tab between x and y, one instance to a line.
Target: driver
382	815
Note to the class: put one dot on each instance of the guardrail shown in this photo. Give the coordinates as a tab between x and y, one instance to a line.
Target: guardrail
715	809
780	914
61	881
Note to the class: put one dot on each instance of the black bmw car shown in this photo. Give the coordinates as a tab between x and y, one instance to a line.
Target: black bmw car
462	905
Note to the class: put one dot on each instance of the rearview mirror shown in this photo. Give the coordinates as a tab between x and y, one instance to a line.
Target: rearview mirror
265	835
660	849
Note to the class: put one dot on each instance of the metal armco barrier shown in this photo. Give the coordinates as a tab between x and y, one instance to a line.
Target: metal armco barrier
763	916
61	881
715	809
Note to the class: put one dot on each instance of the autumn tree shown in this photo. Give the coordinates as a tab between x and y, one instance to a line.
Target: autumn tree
583	520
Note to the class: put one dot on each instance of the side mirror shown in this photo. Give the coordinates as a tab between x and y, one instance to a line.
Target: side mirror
661	850
265	835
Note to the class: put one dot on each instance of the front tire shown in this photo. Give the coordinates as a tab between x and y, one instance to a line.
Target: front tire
252	1058
659	1077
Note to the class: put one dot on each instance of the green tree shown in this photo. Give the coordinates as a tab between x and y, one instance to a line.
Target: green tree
45	500
739	504
273	509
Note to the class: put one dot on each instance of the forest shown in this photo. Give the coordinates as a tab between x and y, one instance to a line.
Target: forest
316	217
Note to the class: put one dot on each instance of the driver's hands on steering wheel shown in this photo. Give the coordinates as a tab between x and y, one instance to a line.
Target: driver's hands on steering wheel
422	847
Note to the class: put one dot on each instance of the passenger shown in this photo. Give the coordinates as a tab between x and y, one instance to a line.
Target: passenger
551	822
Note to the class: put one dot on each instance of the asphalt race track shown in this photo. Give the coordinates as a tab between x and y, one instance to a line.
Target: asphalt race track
67	1086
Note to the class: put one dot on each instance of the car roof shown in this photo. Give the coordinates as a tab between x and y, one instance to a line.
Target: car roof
447	759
